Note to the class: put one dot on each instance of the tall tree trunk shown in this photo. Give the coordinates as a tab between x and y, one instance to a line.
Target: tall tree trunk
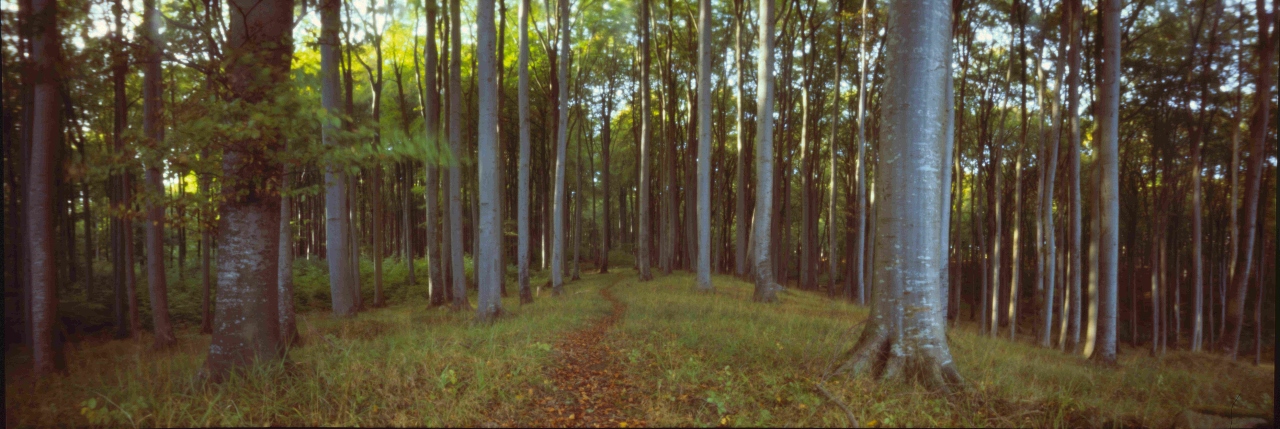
431	113
766	290
1073	154
154	131
907	298
606	122
643	239
1046	195
704	145
858	255
562	140
246	324
337	209
522	203
1109	162
488	267
1015	250
1234	322
40	239
459	278
832	258
742	224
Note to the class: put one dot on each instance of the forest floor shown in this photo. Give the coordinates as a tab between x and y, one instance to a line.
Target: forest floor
615	352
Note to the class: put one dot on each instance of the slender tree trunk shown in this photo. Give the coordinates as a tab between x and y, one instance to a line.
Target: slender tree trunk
337	217
42	261
1109	162
154	131
1073	154
284	281
742	224
522	203
454	186
247	320
832	227
431	112
858	256
1015	249
562	140
643	239
1046	203
1234	322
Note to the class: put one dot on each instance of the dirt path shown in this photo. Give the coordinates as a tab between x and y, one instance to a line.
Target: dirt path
590	384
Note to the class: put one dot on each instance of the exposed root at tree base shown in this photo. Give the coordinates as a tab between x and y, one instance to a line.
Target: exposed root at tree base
880	355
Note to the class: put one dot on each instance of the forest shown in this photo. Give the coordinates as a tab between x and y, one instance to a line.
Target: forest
630	213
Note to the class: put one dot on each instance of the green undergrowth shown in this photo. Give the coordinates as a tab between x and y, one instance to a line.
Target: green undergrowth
719	359
698	359
405	365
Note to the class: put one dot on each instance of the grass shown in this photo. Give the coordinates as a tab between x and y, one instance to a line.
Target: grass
719	359
701	360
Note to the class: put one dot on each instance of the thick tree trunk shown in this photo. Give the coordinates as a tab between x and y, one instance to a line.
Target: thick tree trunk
766	290
246	327
704	145
488	267
153	129
522	203
41	169
1109	162
905	319
337	209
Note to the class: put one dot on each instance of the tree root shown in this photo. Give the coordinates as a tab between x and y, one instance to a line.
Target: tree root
880	355
853	421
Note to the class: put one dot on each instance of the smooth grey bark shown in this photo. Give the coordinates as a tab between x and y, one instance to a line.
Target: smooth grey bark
246	325
337	220
1046	195
905	336
704	145
488	268
766	289
645	229
522	199
39	202
454	186
947	147
1072	342
1109	161
562	140
858	256
1234	318
153	129
284	275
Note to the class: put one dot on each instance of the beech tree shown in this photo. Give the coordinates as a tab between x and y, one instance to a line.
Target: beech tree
905	317
337	211
1109	160
488	270
522	225
643	238
459	277
246	324
704	145
46	109
766	289
154	131
562	140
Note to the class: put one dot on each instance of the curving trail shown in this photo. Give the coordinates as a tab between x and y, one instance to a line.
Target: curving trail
591	386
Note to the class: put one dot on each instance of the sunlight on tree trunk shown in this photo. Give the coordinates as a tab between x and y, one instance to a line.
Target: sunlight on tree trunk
766	290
